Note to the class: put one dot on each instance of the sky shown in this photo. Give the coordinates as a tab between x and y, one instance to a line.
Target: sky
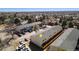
36	9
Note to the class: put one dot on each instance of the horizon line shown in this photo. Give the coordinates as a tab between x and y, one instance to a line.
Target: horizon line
36	9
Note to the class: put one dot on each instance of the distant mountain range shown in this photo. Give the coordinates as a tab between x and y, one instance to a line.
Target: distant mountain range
45	12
